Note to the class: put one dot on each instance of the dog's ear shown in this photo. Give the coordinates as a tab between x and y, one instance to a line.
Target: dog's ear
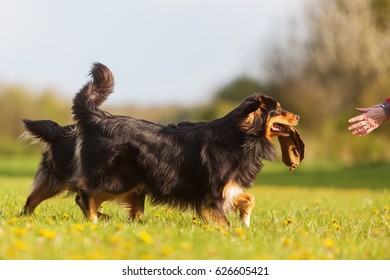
250	104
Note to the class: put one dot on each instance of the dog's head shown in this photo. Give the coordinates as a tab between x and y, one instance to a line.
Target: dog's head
261	114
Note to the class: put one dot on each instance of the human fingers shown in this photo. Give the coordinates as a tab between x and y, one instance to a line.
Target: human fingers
357	118
358	127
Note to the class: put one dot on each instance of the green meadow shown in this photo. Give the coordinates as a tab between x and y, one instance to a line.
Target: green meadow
320	211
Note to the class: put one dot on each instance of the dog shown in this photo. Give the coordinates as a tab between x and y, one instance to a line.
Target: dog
56	168
204	166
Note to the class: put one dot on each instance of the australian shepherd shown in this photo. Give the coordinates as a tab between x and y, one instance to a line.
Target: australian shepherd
205	166
56	169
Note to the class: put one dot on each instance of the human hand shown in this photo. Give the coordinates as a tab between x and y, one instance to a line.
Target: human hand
370	119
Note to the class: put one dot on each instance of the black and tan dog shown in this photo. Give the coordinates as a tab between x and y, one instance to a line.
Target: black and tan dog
56	169
205	166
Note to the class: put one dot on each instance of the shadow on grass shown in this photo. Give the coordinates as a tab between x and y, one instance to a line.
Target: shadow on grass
373	176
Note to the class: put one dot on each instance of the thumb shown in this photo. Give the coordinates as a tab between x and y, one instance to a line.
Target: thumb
363	110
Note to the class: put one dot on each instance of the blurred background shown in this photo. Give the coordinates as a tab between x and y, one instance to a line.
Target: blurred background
175	60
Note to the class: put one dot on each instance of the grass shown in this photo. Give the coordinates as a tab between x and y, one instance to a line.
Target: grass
321	211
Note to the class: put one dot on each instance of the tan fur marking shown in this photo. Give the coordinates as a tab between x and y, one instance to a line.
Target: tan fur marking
212	216
289	119
245	204
133	200
93	213
251	118
235	199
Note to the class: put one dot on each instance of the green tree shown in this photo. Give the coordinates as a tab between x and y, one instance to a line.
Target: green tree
238	89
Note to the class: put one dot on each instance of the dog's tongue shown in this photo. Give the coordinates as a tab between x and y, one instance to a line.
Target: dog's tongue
293	148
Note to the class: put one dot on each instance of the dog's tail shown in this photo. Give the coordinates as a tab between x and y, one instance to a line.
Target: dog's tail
87	101
45	131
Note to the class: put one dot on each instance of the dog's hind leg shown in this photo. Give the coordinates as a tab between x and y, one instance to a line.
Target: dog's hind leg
214	213
99	199
244	203
44	187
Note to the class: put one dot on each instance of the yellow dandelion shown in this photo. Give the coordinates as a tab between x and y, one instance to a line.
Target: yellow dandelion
92	226
286	241
337	227
166	251
157	215
11	253
207	228
66	215
78	227
385	208
49	221
240	233
288	221
329	243
376	212
186	246
146	257
47	233
13	221
115	239
119	227
18	231
20	245
145	237
317	202
195	220
219	228
96	255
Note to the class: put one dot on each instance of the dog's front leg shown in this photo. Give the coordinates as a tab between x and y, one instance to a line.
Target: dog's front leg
136	202
214	213
245	203
87	204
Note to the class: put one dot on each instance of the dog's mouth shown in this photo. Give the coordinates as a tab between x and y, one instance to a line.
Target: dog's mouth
281	126
279	129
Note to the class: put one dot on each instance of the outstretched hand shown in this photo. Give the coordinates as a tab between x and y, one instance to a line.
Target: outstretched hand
370	119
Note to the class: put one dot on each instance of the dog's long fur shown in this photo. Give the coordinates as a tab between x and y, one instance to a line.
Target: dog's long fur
204	166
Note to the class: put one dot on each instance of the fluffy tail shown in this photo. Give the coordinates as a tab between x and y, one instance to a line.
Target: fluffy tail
87	101
40	131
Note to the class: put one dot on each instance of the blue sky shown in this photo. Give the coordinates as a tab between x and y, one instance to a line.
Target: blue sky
161	52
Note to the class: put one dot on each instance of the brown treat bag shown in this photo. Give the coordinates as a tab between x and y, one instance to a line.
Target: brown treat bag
293	148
